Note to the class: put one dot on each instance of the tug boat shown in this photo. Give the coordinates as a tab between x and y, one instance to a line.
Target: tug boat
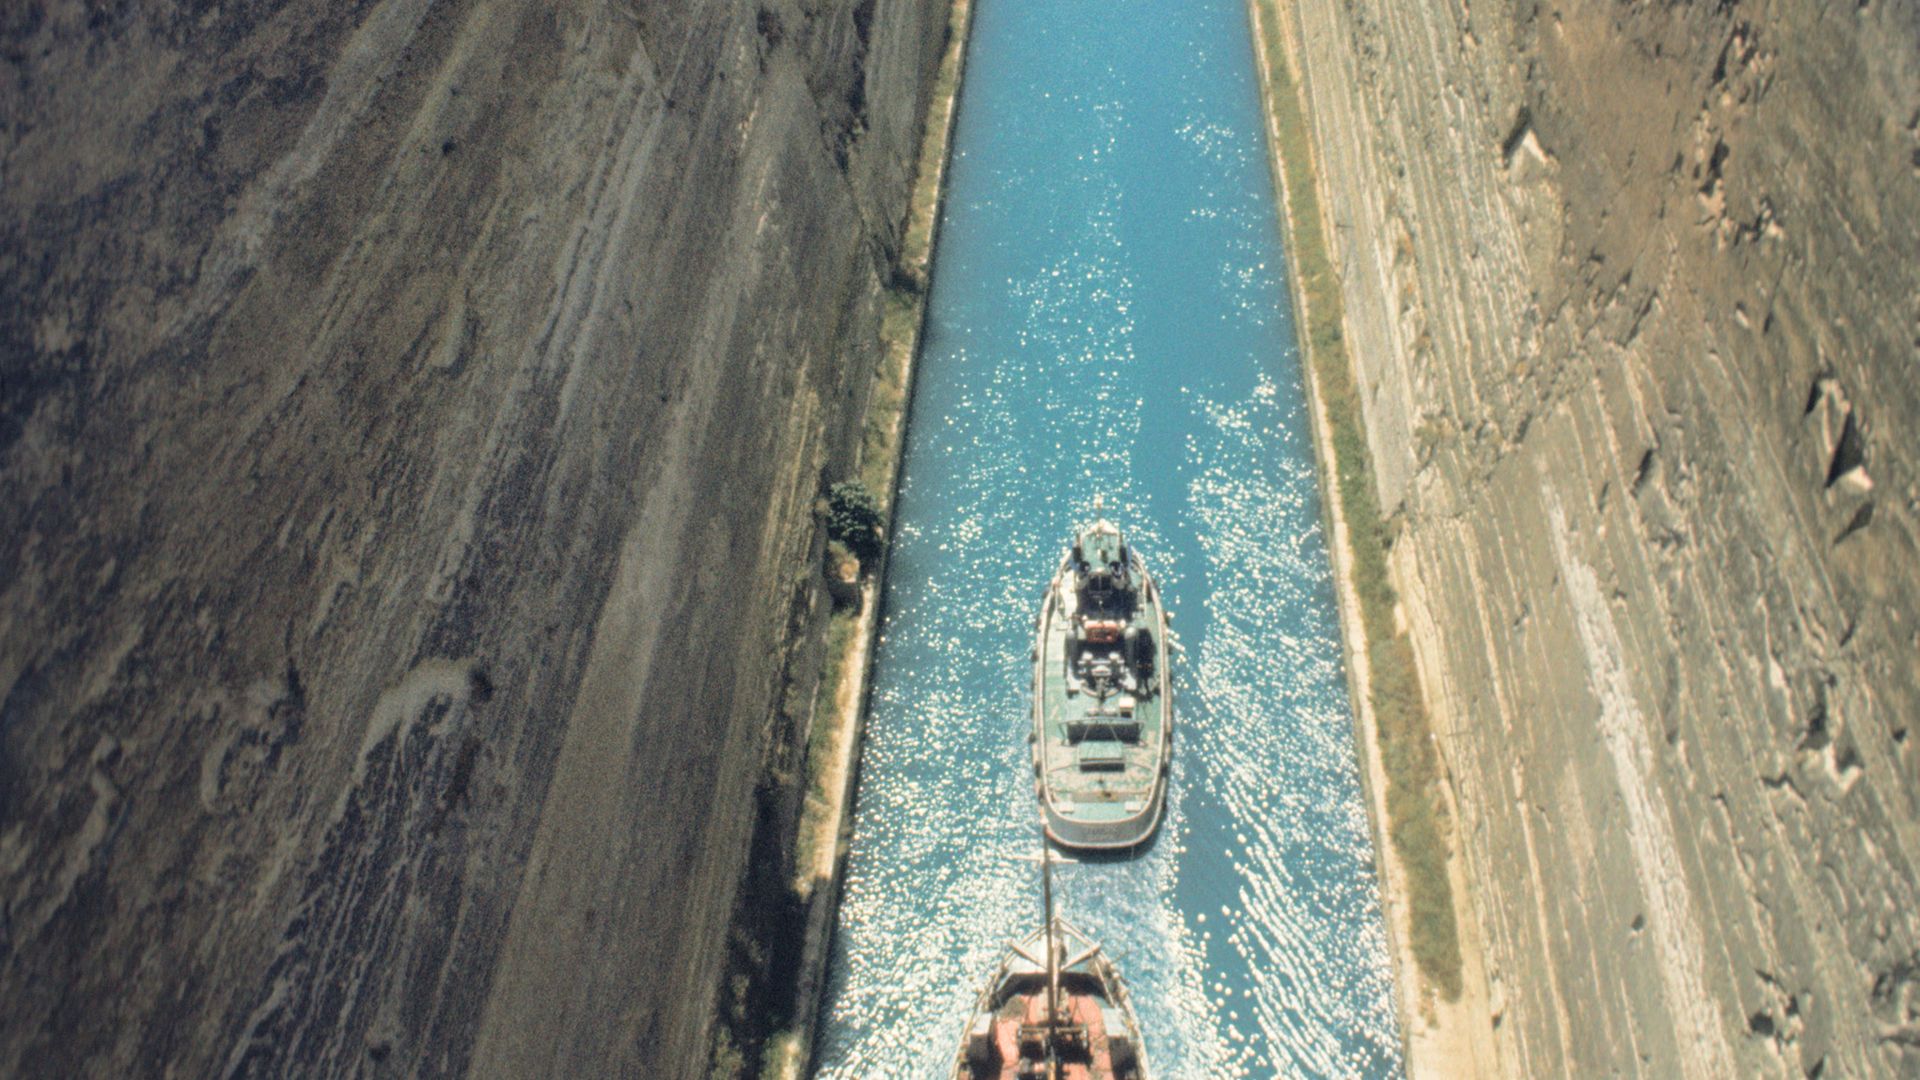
1102	697
1055	1010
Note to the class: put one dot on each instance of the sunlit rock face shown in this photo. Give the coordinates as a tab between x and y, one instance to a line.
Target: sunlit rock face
409	420
1633	297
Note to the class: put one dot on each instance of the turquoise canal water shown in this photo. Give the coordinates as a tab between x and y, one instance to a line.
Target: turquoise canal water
1110	317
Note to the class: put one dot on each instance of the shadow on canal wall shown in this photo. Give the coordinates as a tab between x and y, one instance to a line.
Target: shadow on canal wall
410	420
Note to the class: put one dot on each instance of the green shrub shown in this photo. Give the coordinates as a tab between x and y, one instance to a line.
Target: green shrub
853	519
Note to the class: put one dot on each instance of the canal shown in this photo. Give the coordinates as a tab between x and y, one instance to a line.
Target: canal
1110	318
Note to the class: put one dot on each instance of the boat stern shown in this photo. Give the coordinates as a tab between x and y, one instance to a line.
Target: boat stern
1103	825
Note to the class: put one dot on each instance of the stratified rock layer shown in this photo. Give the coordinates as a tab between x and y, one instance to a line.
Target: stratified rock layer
1633	293
410	421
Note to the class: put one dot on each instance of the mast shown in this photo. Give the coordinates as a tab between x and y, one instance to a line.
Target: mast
1053	953
1053	956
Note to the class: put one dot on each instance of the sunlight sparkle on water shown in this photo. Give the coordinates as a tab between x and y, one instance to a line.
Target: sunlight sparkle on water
1109	316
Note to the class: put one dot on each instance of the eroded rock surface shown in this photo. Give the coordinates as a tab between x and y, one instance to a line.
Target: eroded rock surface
409	422
1634	298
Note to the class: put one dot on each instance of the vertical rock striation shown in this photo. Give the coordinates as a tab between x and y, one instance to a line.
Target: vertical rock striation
1633	298
410	416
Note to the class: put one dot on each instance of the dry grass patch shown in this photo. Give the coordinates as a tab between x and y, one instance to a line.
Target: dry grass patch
826	729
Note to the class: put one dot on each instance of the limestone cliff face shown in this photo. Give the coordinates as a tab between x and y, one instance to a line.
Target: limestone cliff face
1633	294
409	422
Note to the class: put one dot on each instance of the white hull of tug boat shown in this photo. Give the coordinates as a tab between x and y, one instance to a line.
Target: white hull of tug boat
1067	821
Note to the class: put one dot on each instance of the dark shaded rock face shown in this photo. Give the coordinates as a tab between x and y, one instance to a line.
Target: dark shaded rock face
410	414
1635	297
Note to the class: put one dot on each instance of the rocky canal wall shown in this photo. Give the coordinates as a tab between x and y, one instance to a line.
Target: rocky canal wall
1632	301
411	418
